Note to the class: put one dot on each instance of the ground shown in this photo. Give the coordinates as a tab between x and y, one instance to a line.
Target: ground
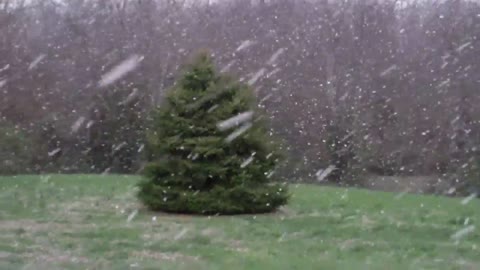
91	222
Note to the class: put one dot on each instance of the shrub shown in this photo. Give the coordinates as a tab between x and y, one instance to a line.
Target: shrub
202	165
15	150
468	176
116	133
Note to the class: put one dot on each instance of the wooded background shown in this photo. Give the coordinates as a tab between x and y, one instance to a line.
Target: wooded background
372	87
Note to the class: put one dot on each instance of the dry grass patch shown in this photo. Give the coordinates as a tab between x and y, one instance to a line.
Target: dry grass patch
162	256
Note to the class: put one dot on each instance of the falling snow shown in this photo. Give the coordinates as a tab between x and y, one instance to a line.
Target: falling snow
273	59
245	44
132	215
119	146
126	66
273	72
4	68
256	76
78	124
401	194
106	171
388	70
247	161
54	152
181	234
238	132
37	61
386	92
322	174
444	83
228	66
235	120
211	109
463	46
469	198
89	124
458	235
130	97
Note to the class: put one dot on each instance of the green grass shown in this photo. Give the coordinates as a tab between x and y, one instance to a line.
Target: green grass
80	222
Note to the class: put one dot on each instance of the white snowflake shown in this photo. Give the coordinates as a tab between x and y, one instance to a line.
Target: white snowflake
323	173
469	198
244	45
36	61
235	120
78	124
238	132
120	70
256	76
273	59
247	161
132	215
54	152
463	232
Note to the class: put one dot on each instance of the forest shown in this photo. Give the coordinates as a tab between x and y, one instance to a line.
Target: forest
370	88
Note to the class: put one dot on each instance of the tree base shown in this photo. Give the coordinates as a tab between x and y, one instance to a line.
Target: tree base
219	200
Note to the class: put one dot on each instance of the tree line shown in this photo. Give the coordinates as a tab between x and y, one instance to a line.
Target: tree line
371	87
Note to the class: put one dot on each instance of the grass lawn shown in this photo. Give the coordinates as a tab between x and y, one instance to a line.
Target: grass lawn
86	222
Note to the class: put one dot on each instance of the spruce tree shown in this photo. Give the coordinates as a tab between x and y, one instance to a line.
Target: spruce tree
209	150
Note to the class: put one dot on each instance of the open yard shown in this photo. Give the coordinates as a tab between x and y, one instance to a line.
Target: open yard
91	222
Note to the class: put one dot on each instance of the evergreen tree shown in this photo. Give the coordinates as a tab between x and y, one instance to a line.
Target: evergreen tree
209	151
